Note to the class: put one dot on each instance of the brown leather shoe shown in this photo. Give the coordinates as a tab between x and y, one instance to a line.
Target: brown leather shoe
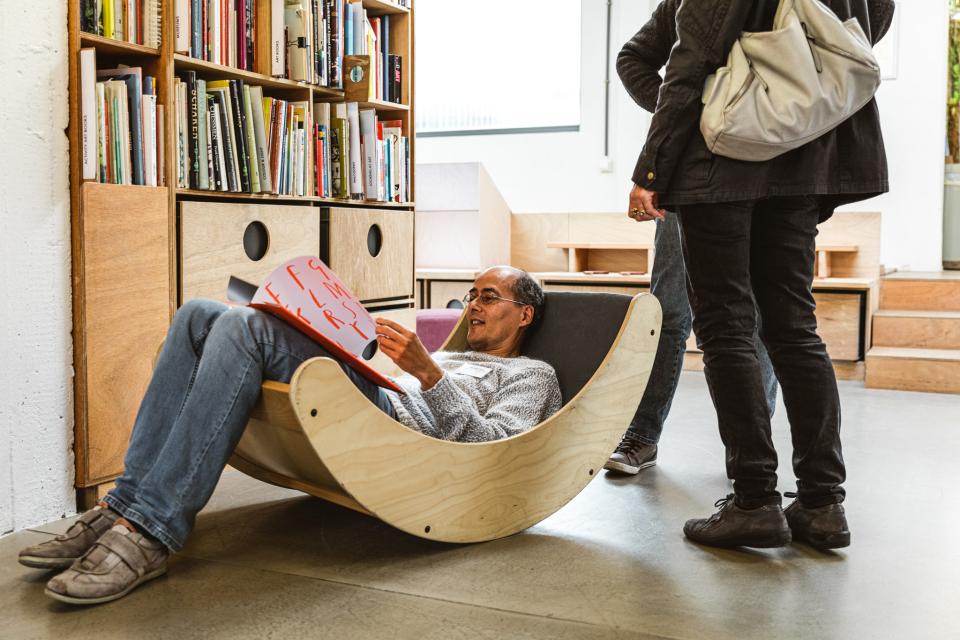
119	562
63	550
821	527
733	526
631	455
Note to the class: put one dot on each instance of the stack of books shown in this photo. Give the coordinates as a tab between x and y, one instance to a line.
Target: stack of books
307	41
230	137
136	21
367	36
121	128
358	156
220	31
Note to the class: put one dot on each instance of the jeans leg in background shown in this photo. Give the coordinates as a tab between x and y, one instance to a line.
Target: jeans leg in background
668	284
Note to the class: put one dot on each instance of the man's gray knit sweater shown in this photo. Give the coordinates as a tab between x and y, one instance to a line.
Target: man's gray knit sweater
502	397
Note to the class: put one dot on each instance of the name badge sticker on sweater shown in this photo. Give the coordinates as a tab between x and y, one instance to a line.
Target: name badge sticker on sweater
474	370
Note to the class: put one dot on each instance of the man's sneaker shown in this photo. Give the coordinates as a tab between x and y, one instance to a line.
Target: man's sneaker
821	527
632	455
63	550
120	561
732	526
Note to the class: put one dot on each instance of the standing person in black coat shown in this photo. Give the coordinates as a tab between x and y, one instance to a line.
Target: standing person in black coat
749	232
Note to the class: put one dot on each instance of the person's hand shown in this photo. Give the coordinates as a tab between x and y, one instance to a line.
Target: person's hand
404	347
643	205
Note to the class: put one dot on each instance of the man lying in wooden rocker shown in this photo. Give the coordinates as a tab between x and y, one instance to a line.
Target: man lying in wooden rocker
207	381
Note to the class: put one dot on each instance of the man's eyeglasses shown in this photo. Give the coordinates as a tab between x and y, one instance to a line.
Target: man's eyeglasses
486	299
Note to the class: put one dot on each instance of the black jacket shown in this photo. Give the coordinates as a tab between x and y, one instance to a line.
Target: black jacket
693	38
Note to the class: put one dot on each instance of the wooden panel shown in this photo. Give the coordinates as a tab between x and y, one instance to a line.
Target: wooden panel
920	329
529	236
125	315
860	229
594	288
920	294
406	317
211	243
610	228
495	224
389	274
935	370
838	323
442	293
617	261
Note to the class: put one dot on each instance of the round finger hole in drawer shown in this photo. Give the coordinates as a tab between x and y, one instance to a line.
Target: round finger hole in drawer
256	240
374	240
370	350
455	304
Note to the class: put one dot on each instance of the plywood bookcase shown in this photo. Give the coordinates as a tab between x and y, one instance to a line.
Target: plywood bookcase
133	257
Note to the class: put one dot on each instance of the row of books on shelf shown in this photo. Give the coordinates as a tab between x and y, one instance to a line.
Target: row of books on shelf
232	138
219	31
121	126
309	39
136	21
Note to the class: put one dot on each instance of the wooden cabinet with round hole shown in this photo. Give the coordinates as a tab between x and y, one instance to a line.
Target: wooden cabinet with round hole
219	240
371	250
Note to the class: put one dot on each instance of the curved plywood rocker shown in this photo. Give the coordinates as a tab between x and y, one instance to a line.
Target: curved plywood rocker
320	435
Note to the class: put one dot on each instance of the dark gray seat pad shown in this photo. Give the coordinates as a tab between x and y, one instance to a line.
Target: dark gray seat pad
575	335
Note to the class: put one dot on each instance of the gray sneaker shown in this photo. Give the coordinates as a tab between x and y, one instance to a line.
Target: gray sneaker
120	561
61	552
631	455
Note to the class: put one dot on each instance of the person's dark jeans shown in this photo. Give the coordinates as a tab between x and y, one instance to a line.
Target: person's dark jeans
668	282
765	251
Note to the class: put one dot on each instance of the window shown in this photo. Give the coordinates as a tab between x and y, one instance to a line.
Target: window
497	66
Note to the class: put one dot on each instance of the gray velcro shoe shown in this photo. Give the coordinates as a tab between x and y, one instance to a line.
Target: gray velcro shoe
63	550
120	561
821	527
631	455
732	526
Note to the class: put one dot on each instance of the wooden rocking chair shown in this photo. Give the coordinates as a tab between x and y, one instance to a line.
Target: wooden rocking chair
320	435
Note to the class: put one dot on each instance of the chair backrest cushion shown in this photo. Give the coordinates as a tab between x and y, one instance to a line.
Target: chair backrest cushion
575	334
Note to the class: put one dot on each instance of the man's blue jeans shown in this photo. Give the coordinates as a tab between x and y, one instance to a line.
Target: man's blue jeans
205	385
668	282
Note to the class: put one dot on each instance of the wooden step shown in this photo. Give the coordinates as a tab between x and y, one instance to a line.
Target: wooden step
936	370
916	329
920	291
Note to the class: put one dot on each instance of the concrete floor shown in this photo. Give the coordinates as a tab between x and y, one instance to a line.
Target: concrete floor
270	563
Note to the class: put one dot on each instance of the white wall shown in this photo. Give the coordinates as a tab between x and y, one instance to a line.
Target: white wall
36	393
560	172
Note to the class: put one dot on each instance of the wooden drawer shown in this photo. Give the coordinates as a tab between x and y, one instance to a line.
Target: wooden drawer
213	236
371	250
446	294
840	323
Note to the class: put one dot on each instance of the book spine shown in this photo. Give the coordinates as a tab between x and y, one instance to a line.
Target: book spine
161	155
226	136
242	34
239	131
254	162
88	112
208	143
385	57
181	25
278	62
194	131
395	77
203	134
196	19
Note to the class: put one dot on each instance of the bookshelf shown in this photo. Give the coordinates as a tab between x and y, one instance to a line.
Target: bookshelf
128	241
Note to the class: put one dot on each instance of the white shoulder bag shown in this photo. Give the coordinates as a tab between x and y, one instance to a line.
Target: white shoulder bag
786	87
